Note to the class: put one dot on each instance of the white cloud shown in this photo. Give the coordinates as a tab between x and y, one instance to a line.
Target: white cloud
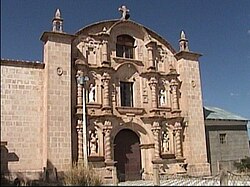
248	32
234	94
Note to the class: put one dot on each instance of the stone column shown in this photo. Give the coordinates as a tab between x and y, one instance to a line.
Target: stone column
153	83
79	94
107	144
175	101
178	142
105	80
79	127
156	179
150	57
79	89
105	51
156	129
167	87
80	141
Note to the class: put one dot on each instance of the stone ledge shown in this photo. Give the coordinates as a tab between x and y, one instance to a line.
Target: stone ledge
122	60
130	110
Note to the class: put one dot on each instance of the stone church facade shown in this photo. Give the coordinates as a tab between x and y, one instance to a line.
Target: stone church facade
116	93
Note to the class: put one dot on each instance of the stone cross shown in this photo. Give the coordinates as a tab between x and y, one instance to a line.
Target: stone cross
124	11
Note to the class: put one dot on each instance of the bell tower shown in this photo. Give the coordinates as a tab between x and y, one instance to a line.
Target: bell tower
57	95
192	109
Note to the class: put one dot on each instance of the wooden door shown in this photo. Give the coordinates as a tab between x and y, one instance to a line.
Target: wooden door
128	156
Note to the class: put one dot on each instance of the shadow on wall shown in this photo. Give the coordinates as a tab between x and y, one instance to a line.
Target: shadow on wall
51	174
6	157
47	176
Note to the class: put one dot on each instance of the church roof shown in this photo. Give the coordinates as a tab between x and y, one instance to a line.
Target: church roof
214	113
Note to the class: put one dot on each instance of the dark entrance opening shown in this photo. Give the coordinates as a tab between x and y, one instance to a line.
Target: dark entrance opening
128	155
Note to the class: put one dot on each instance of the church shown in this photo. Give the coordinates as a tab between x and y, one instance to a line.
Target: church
115	95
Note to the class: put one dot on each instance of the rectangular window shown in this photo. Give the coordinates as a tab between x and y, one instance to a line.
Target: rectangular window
126	90
119	50
222	138
128	52
124	51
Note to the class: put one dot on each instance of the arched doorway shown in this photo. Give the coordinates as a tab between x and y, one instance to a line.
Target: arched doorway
128	155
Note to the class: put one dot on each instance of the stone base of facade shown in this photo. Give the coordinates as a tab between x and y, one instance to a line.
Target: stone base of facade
166	170
170	169
108	175
24	178
200	169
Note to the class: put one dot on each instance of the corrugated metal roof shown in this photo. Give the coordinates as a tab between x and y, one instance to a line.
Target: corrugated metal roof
215	113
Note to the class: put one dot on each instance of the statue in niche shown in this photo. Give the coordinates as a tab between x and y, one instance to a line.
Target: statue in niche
165	142
92	93
93	142
162	97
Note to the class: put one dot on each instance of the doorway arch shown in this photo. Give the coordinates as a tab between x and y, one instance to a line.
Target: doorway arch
127	154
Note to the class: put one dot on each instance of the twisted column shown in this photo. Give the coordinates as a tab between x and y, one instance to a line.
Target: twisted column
79	94
153	83
79	88
156	129
178	142
107	143
81	129
175	102
105	80
80	141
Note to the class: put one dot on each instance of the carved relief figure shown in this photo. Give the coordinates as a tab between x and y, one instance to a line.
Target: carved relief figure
162	97
92	93
165	142
93	142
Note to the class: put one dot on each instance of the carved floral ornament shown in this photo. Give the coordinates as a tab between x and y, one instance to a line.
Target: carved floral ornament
162	53
107	126
106	76
59	71
193	83
153	82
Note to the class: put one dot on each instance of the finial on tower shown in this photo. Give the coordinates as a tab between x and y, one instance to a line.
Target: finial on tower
58	14
125	14
57	22
183	42
183	36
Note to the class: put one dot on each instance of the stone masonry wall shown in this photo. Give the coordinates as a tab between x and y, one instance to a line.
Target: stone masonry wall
191	105
57	116
22	114
236	144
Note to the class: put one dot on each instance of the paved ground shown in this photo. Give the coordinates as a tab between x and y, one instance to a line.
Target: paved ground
172	182
184	182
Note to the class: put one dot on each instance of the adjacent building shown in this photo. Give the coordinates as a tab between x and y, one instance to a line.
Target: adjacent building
226	137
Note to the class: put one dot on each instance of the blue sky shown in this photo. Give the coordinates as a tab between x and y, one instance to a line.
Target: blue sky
218	29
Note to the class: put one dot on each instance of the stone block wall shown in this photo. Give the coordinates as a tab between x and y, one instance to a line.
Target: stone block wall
57	115
235	147
194	144
22	113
